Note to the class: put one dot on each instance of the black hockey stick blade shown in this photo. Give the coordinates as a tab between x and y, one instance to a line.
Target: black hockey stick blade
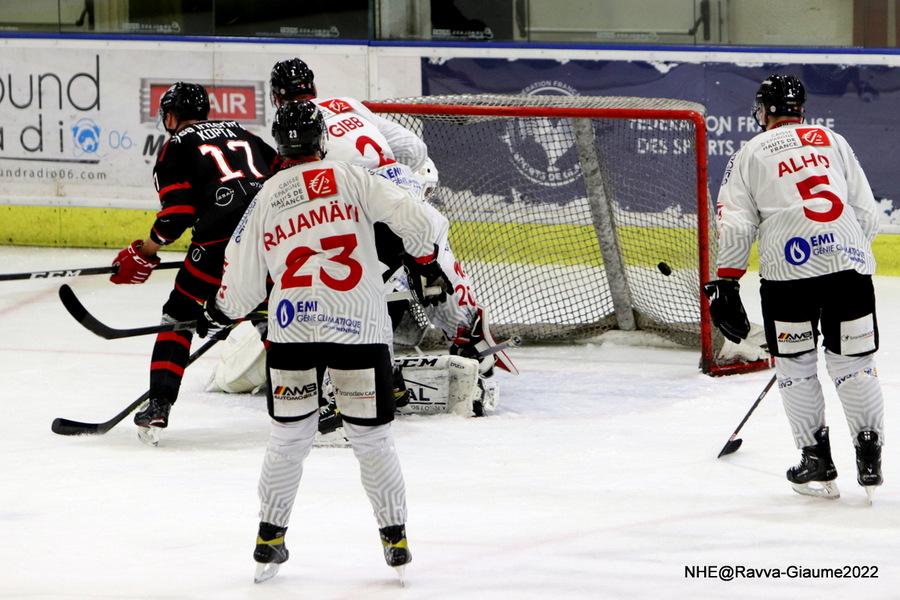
734	442
92	324
63	426
57	273
730	447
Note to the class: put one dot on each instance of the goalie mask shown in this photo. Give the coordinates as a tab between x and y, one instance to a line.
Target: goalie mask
779	96
291	79
185	101
428	174
299	130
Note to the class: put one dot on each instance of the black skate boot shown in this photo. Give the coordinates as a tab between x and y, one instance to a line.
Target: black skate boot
815	467
868	462
270	551
329	418
396	548
151	419
401	394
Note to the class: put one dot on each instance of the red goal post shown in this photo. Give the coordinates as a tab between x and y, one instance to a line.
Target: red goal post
568	211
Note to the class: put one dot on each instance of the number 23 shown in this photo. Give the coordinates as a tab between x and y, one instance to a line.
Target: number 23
298	256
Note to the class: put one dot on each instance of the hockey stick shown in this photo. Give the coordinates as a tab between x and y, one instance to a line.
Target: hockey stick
734	442
78	272
91	323
68	427
513	342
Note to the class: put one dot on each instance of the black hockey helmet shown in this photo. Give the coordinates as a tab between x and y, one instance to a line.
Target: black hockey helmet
290	79
299	129
187	101
779	96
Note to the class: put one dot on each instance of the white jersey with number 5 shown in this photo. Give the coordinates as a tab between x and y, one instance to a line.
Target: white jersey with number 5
358	136
803	189
311	228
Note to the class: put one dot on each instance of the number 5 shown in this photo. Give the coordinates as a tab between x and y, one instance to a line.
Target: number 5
805	188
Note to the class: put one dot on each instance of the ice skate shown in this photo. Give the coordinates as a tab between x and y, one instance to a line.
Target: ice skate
151	419
401	394
868	462
270	551
331	431
815	474
396	549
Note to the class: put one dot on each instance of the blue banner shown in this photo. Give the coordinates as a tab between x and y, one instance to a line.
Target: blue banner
858	101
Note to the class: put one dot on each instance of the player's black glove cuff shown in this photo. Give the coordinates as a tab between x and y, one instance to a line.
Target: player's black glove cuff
212	319
726	309
429	275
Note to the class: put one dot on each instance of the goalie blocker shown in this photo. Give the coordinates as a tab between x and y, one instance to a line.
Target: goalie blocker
437	384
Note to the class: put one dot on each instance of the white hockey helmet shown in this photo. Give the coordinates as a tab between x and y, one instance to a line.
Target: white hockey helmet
428	174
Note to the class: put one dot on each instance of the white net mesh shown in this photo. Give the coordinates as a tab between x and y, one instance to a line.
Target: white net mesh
562	216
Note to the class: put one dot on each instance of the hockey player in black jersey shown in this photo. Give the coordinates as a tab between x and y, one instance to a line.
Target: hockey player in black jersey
206	175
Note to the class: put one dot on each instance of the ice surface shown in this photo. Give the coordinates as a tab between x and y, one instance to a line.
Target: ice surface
596	478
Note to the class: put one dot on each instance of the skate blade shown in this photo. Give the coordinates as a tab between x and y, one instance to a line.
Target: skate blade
401	571
870	493
334	439
265	572
149	435
823	489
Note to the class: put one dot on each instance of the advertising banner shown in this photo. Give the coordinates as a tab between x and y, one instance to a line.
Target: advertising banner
858	101
78	120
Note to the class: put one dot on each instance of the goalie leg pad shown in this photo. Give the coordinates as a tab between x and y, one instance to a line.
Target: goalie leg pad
242	365
801	394
856	381
443	384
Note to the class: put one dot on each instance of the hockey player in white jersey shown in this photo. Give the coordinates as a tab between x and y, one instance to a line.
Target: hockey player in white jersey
800	190
311	227
361	137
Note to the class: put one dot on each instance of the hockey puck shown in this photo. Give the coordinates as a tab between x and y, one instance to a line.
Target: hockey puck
664	269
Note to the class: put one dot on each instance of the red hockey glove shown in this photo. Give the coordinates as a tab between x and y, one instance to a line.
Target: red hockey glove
133	268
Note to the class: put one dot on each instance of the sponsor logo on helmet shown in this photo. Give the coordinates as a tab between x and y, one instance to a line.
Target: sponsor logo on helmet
242	101
336	105
543	150
797	251
320	183
811	136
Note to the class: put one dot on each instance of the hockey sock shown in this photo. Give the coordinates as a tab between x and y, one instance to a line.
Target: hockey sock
856	381
379	469
167	363
801	394
289	445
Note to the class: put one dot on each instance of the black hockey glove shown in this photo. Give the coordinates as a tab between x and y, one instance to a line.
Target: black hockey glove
212	319
726	308
430	275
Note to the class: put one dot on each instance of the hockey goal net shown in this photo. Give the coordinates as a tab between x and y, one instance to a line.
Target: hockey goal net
575	215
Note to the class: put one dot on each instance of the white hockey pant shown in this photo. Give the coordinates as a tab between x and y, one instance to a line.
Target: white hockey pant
289	445
379	469
856	381
801	394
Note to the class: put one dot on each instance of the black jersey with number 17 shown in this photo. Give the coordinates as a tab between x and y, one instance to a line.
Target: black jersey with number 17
206	175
